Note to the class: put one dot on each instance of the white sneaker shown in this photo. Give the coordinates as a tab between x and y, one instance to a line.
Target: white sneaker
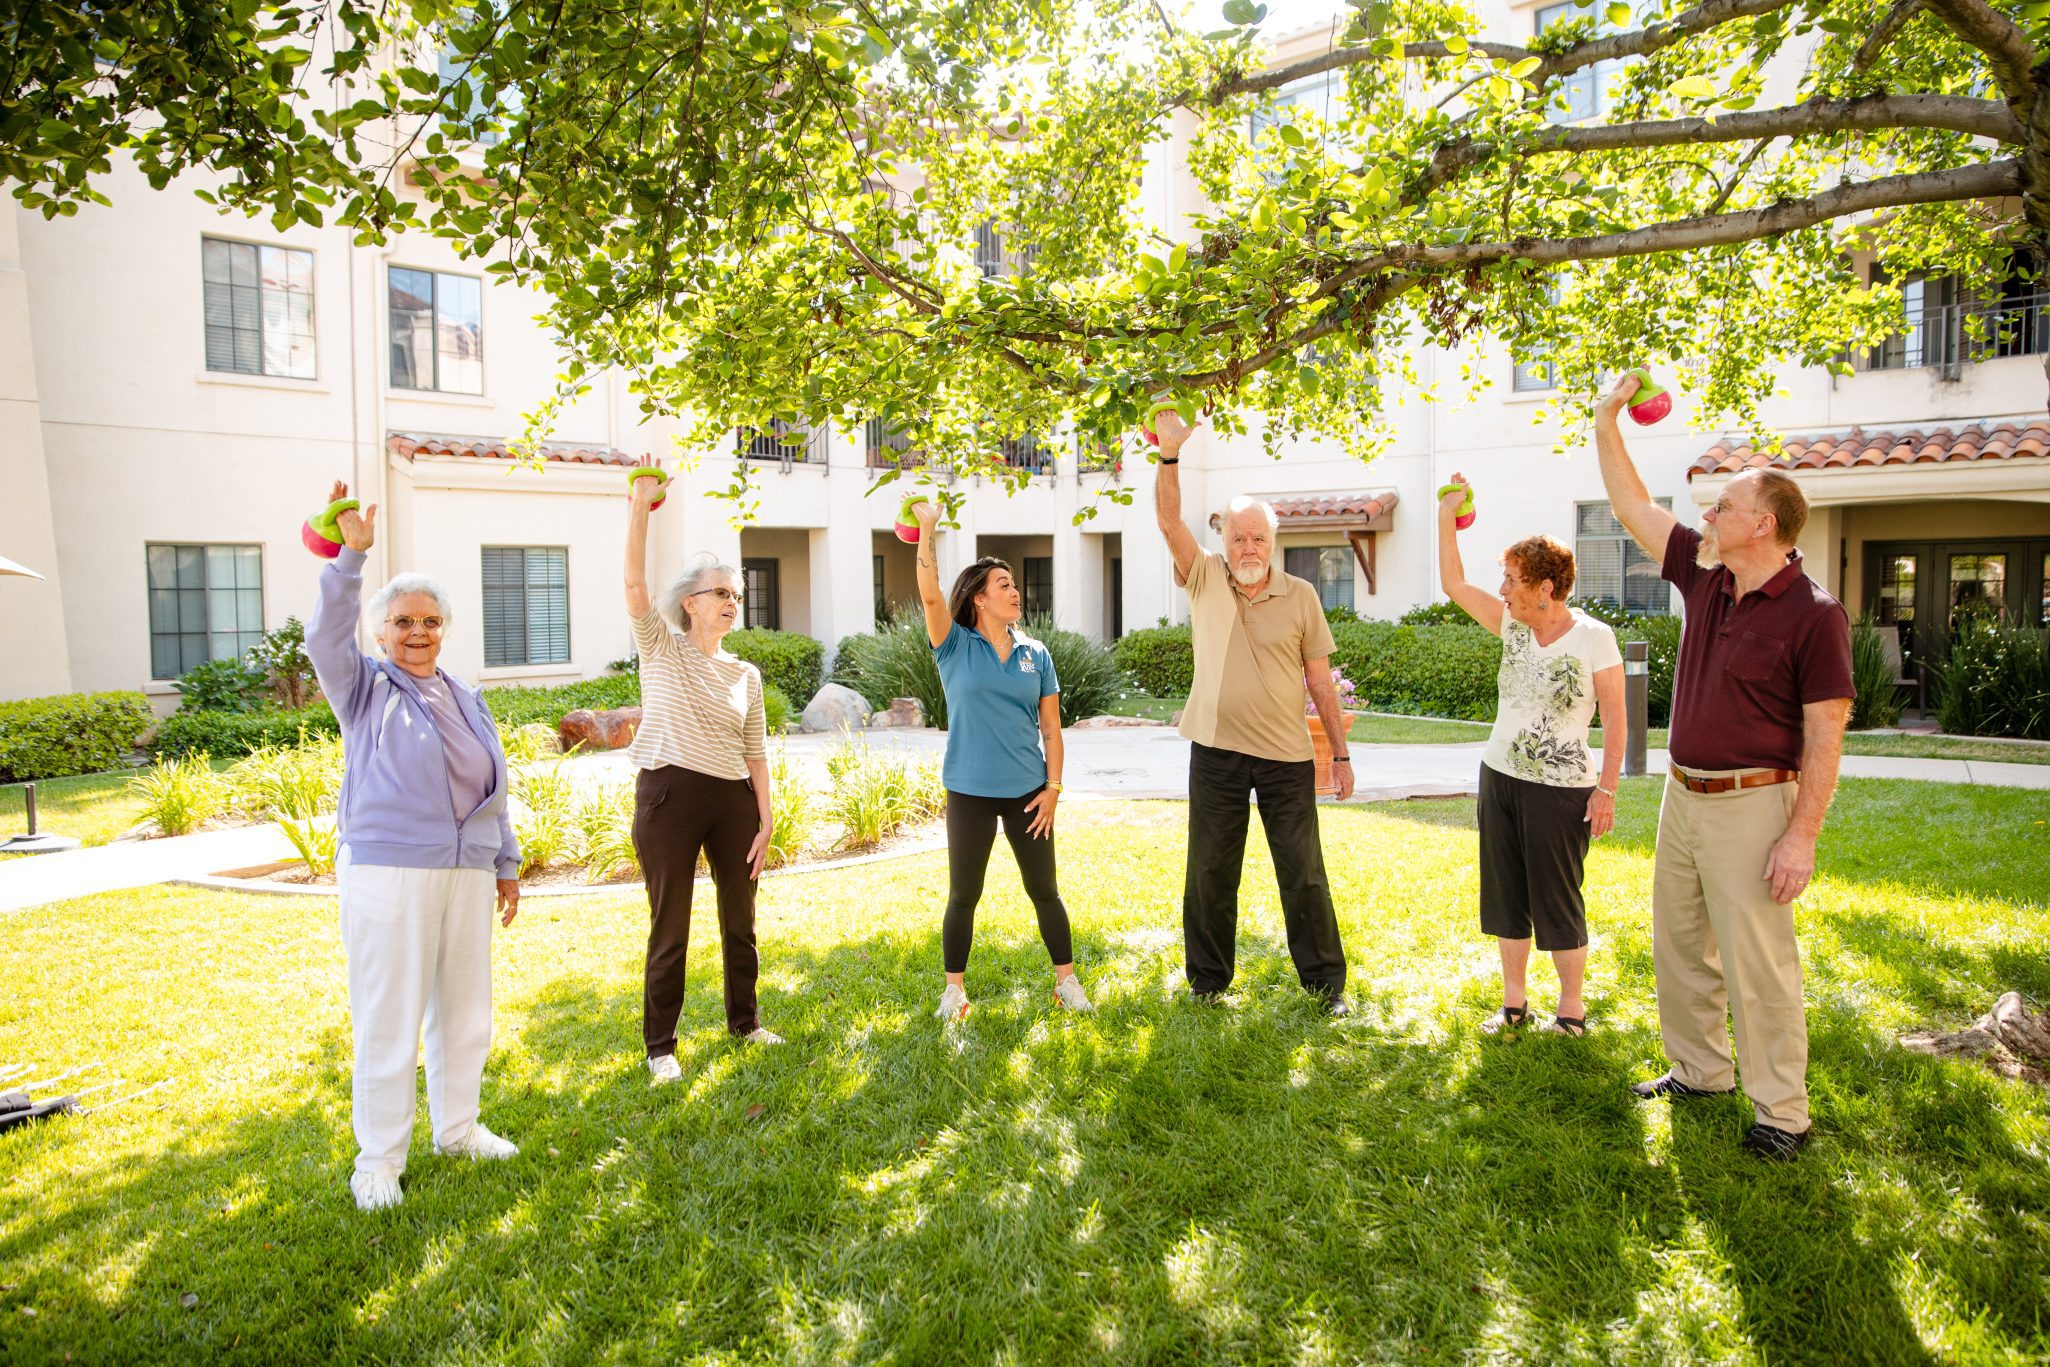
479	1143
665	1069
953	1004
376	1189
762	1035
1068	992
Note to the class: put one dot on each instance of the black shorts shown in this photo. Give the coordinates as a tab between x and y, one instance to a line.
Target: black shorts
1534	840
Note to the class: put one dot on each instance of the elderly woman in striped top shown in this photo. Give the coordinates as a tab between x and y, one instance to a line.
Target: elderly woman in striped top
703	785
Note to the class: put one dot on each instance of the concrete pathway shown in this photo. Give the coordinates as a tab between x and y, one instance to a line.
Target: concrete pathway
1115	762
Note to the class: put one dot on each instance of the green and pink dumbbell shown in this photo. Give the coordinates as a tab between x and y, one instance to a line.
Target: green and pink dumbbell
907	520
1464	517
650	472
322	532
1651	401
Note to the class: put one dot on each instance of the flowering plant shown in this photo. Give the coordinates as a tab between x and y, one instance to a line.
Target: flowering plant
1348	695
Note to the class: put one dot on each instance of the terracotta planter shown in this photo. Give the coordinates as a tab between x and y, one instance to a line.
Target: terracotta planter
1321	744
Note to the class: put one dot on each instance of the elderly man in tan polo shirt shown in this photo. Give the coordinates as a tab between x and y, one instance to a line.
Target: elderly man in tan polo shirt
1260	640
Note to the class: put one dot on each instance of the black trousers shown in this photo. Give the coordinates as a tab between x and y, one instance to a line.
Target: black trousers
1220	784
971	834
678	812
1534	840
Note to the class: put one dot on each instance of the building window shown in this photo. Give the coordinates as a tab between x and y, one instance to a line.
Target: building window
1039	587
1585	93
995	257
259	309
1897	575
437	331
1328	567
1978	583
1532	376
1322	95
526	605
1610	567
787	442
466	99
205	603
764	606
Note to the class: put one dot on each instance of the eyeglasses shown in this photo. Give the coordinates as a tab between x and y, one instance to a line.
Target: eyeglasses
723	595
405	624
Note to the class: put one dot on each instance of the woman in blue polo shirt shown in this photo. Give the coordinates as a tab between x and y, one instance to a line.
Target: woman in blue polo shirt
1003	703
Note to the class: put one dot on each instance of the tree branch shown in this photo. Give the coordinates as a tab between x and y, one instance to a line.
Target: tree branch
1889	28
1985	181
1637	43
1953	113
2007	48
1373	301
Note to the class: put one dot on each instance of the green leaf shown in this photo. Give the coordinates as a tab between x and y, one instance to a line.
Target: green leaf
1291	134
1620	16
1456	45
1525	67
1239	12
1694	88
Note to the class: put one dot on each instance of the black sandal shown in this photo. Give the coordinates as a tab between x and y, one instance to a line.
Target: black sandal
1573	1026
1505	1020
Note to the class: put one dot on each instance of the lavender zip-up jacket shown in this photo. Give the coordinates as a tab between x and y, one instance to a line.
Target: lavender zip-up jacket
397	806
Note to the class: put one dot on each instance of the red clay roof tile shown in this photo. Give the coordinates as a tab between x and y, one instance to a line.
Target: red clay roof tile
488	448
1845	450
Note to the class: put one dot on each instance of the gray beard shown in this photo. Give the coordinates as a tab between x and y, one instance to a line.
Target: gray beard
1708	555
1249	577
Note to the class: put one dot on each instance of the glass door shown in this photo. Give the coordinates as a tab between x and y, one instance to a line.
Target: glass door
1977	583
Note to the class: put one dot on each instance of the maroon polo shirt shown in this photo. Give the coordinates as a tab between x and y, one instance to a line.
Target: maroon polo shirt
1748	665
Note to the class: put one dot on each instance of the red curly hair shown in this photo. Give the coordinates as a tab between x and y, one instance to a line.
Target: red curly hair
1538	558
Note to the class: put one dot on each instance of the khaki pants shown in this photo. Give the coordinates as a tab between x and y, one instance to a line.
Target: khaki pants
1721	946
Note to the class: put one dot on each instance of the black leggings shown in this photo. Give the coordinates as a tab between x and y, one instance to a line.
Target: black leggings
971	832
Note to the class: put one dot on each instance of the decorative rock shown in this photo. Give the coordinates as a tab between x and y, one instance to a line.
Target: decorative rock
1107	723
835	707
612	729
902	712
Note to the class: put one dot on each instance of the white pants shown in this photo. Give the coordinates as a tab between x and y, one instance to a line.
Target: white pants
419	947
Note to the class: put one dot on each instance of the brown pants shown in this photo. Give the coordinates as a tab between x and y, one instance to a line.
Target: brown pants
1721	947
677	812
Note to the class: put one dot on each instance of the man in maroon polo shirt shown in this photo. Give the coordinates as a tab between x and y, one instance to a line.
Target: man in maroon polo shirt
1760	697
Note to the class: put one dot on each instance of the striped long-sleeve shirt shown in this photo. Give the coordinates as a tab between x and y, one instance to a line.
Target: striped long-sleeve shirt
698	711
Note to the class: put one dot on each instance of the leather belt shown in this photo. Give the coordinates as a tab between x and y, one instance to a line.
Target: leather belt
1757	778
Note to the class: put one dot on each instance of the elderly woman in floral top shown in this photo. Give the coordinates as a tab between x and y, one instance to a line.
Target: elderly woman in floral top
1540	802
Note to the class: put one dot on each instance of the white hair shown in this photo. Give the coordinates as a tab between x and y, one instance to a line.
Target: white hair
1243	504
399	587
696	577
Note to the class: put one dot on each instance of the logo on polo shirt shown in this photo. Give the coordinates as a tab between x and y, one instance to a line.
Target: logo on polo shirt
1025	664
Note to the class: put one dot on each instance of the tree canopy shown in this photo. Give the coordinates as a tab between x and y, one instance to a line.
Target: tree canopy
767	211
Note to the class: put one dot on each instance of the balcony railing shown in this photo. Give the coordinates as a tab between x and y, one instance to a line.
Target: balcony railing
1951	335
1027	453
1094	457
888	448
781	442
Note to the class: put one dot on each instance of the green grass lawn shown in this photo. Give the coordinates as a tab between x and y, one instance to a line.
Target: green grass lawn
1159	1182
93	808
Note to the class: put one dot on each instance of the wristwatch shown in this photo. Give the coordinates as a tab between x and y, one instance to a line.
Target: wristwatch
1054	784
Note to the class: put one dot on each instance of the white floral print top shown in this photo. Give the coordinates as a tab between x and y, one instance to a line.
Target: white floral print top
1545	702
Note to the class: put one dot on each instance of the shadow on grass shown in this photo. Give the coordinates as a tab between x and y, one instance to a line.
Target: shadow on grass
1159	1181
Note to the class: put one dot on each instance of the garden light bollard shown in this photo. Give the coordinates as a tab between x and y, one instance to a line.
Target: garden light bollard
1636	703
35	842
28	797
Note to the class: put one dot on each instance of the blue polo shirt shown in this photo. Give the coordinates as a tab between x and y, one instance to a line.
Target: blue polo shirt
993	713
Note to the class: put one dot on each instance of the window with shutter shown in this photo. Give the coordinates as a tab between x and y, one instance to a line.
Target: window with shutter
526	605
259	309
1610	567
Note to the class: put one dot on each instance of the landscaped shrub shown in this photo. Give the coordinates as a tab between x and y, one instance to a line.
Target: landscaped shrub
775	709
281	658
231	734
792	811
1996	679
1445	613
874	796
182	794
1444	671
515	705
606	823
70	733
1088	672
790	660
1877	702
1160	660
317	839
221	686
895	662
296	782
544	814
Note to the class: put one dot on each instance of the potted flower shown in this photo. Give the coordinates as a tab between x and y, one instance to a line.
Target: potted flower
1348	700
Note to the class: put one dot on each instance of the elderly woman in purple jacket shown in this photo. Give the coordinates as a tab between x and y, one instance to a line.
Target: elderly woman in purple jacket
427	856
